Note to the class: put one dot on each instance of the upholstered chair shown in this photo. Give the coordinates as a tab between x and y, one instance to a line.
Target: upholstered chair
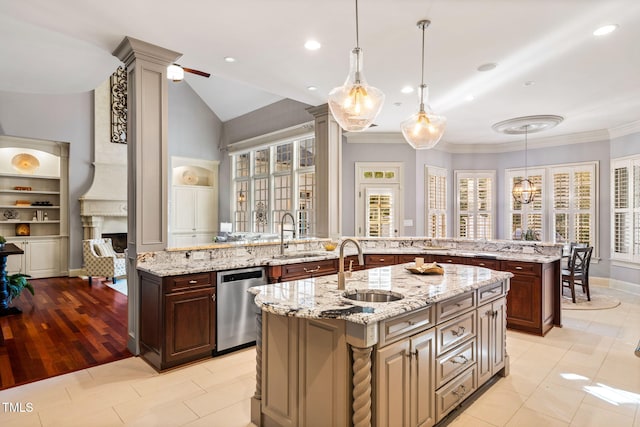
100	260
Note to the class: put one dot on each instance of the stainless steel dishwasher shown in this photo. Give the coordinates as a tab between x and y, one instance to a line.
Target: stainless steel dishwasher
236	311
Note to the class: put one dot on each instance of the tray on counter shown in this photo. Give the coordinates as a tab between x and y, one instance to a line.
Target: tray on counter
429	268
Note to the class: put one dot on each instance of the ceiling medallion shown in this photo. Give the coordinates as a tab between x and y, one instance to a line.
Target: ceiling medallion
527	124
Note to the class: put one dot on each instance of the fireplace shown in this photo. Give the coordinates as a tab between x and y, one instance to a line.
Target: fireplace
118	241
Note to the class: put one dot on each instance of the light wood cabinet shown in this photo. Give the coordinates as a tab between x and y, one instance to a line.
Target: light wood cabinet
405	388
34	195
491	339
194	202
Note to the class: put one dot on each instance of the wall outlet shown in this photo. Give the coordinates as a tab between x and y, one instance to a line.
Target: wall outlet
528	250
394	244
198	255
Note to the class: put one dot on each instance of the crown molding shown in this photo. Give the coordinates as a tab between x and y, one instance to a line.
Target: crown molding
625	129
296	131
502	147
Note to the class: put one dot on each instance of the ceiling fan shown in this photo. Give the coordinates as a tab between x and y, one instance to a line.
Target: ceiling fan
176	72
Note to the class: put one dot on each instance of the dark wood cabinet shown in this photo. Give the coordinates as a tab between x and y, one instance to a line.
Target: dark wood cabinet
448	259
177	318
302	270
355	265
531	299
373	261
492	264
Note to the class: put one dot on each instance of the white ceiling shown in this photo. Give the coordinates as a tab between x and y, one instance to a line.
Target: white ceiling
65	46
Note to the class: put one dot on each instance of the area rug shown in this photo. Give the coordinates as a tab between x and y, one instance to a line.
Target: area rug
598	302
119	286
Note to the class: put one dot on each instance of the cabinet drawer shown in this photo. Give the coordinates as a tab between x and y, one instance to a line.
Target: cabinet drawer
452	363
447	259
488	293
449	396
521	267
493	264
452	333
379	260
403	259
177	283
447	309
308	269
407	324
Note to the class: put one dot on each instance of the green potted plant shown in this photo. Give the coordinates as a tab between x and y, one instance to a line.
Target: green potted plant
16	283
2	241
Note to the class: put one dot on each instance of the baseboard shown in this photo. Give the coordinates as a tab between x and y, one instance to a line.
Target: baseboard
77	272
600	281
620	285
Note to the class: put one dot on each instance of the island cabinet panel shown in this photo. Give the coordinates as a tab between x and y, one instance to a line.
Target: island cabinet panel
306	372
530	301
452	394
491	339
177	318
405	382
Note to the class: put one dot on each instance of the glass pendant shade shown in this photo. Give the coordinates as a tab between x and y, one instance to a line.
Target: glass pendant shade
423	129
524	191
355	105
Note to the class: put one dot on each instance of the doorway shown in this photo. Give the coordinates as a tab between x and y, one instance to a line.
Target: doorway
379	199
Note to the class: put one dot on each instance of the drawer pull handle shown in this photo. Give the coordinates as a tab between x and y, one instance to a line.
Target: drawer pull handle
193	282
381	259
411	322
482	264
495	313
460	356
459	332
312	270
213	297
412	353
460	392
518	267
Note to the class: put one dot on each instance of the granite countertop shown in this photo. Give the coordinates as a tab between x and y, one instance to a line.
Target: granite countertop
219	264
319	298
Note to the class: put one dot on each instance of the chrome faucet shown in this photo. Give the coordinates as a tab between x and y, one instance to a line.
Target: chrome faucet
341	261
293	220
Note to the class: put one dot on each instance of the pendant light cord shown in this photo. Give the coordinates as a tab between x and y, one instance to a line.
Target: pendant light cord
357	38
422	86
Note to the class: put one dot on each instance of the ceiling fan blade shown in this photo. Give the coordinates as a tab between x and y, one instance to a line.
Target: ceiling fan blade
198	72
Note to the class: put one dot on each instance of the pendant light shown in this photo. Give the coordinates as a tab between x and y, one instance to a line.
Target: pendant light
355	105
423	129
524	190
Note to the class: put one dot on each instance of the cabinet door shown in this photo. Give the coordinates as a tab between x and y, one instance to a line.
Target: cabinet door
423	403
190	324
499	328
485	317
15	263
372	261
524	301
42	258
184	209
393	386
206	216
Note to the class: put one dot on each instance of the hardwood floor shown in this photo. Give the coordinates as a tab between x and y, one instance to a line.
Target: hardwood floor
64	327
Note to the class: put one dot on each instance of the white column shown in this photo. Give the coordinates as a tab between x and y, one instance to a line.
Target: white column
147	199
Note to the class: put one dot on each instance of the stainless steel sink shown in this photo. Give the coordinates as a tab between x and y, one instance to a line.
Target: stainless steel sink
299	255
373	296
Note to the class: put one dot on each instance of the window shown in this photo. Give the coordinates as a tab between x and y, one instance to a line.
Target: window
573	206
564	209
271	181
435	202
525	217
475	214
625	209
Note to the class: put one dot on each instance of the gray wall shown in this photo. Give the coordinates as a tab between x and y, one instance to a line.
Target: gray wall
67	118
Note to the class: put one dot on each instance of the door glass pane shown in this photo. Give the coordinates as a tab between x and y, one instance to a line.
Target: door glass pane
307	153
284	155
379	215
242	165
306	203
261	162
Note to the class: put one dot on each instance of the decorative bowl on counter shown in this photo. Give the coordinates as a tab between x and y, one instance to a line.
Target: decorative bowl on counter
329	246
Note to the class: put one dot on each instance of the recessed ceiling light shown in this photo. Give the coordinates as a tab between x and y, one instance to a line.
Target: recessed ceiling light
407	89
488	66
470	97
605	29
312	45
397	104
229	59
529	83
312	88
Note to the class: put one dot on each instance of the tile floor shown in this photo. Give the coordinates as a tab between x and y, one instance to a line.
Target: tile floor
584	374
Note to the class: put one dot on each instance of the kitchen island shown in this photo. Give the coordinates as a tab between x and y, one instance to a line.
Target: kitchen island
324	359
